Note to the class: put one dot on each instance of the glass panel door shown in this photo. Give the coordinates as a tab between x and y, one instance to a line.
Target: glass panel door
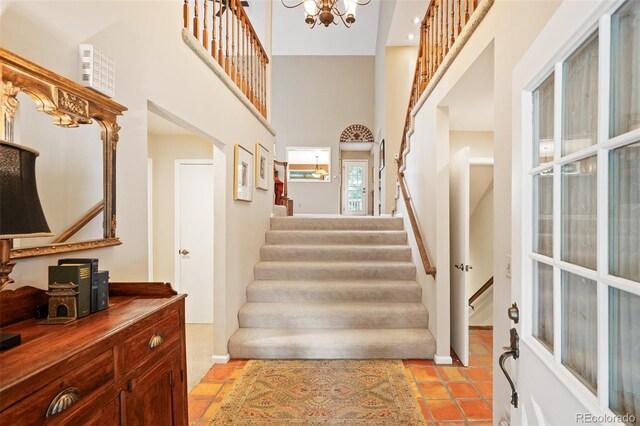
354	201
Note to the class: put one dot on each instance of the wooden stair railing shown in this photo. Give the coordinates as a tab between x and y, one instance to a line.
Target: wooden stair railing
480	292
440	31
440	42
428	268
233	43
88	217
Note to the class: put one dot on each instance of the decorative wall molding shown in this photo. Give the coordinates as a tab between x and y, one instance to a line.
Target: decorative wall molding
356	133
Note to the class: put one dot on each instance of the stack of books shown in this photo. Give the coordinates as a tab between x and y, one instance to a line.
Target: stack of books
93	284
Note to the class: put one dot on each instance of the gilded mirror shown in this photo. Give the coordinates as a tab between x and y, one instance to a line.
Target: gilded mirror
77	138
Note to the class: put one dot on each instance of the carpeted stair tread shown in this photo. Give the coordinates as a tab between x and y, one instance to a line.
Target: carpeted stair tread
333	315
357	270
337	223
304	237
293	253
279	343
333	291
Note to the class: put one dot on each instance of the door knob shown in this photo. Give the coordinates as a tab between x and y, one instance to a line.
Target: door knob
460	266
184	252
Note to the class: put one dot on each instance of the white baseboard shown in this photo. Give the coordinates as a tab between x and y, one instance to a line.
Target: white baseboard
220	359
442	359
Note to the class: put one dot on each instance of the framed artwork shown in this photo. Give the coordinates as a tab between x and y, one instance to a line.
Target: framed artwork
262	169
382	155
243	175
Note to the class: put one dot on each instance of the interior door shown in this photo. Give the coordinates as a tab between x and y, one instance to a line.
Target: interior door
194	239
459	237
354	190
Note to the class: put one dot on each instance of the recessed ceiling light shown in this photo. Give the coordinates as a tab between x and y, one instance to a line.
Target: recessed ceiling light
416	20
410	36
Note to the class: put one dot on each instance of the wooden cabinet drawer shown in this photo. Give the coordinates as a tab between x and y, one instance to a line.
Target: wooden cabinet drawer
64	395
151	340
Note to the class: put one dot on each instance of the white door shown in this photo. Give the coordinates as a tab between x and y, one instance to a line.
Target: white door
354	190
576	220
459	240
194	238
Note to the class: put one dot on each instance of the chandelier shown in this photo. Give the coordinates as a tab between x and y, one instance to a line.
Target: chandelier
325	11
319	173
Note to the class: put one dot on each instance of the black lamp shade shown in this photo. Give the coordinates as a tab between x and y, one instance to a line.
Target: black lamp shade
21	214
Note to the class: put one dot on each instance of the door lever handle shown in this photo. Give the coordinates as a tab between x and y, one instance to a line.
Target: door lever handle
460	266
511	351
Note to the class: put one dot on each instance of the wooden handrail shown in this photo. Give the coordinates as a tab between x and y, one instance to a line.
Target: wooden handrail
233	43
480	291
428	268
73	229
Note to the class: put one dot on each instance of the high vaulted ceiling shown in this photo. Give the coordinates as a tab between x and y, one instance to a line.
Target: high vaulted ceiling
292	36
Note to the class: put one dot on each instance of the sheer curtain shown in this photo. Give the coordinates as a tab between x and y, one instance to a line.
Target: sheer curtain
543	304
625	102
624	213
579	213
580	98
624	371
579	328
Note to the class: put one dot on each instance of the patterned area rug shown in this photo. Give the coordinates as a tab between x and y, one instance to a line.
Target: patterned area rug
331	392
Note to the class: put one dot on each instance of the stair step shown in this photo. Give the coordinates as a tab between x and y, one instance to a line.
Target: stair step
336	237
402	271
333	315
334	291
293	253
279	343
337	223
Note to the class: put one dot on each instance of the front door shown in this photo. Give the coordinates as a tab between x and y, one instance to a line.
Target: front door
459	239
194	239
354	190
576	221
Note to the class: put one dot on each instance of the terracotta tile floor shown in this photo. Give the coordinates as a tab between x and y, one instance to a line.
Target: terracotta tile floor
447	395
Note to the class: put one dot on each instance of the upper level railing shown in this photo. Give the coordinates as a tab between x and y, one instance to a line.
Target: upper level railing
441	27
442	36
226	33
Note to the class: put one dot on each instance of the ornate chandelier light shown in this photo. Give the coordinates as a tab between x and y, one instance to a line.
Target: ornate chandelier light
325	11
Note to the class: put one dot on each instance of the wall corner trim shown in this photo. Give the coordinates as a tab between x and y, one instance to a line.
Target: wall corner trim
201	52
220	359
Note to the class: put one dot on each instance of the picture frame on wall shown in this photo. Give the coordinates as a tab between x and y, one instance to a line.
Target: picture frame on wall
243	174
382	155
262	167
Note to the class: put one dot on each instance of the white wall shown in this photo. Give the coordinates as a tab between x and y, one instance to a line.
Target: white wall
480	143
481	255
511	35
154	65
400	63
314	99
164	150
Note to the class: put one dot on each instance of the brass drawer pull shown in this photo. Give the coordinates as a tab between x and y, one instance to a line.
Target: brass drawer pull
156	340
63	400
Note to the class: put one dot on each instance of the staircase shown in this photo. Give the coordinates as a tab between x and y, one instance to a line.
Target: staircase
334	287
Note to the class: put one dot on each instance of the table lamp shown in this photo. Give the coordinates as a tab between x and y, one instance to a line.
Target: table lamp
21	214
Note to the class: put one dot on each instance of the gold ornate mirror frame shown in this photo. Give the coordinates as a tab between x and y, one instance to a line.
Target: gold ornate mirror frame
71	105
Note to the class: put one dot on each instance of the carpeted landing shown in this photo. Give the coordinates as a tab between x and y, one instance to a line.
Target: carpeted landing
320	392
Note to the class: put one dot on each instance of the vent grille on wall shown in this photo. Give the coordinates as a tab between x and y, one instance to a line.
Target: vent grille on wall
97	70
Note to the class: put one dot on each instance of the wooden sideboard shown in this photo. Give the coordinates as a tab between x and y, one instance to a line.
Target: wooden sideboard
125	365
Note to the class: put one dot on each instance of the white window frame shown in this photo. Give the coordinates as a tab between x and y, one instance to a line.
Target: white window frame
600	23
